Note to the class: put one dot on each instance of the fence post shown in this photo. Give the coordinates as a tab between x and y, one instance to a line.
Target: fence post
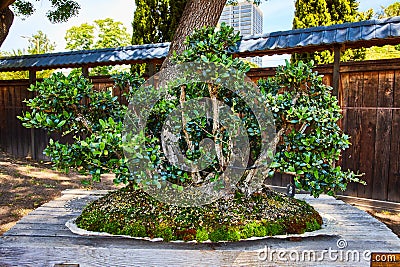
32	80
151	68
336	70
85	71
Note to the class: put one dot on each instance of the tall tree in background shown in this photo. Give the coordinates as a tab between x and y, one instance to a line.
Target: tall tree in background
6	19
38	43
61	11
80	37
155	21
102	33
392	10
312	13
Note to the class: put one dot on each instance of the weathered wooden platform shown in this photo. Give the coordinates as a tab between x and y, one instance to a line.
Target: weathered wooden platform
42	239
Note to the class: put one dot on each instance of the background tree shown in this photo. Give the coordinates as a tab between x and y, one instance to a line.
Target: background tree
324	13
38	43
103	33
80	37
387	51
392	10
61	11
155	21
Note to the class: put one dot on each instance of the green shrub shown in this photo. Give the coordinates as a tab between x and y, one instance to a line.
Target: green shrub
164	231
313	141
218	234
201	235
134	229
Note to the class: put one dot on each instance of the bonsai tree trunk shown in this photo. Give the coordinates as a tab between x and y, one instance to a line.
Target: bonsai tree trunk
197	13
6	19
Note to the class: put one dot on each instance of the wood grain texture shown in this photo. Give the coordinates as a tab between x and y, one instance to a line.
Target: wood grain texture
367	134
383	133
394	168
47	243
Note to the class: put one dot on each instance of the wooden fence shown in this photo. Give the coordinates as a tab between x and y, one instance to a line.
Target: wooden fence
369	95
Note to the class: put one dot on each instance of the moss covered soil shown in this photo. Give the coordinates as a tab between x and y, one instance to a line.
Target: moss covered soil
135	213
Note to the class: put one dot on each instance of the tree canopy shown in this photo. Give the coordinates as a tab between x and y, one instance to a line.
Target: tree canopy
324	13
61	11
390	11
156	20
102	33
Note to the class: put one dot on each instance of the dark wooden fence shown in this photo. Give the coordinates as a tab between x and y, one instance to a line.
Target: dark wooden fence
369	95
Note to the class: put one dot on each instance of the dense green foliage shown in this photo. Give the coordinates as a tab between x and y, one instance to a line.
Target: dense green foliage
392	10
61	10
302	107
313	141
70	106
323	13
134	213
155	21
102	33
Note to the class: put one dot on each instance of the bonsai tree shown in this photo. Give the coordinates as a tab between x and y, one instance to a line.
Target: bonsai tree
307	138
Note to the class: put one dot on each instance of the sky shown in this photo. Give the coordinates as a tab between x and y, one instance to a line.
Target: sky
278	16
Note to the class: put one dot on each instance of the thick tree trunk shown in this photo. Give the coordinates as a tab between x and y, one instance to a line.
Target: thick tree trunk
197	13
6	20
6	3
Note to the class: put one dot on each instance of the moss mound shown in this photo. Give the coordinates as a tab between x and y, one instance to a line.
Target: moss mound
134	213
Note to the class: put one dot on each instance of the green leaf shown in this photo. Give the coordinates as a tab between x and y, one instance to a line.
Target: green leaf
274	165
61	123
102	146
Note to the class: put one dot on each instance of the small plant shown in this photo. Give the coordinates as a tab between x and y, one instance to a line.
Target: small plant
201	235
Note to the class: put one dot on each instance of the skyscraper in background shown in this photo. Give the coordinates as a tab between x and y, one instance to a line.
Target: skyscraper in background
245	17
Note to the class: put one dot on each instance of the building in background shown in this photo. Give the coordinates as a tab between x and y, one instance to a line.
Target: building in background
246	18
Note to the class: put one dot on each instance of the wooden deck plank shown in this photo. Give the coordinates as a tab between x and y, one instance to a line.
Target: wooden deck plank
42	239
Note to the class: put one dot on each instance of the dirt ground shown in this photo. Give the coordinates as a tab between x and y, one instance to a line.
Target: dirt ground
26	185
391	219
